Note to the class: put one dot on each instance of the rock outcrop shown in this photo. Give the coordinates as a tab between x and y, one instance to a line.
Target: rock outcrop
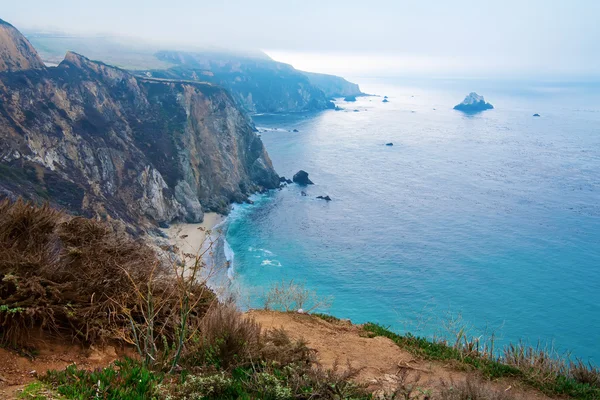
98	141
16	53
301	178
473	103
333	86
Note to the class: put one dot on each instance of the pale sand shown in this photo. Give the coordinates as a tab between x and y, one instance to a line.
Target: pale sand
189	238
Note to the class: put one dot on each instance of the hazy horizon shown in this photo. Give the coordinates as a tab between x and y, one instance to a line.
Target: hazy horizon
545	39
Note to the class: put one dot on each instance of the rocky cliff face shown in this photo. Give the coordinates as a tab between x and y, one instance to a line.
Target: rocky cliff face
98	141
333	86
16	53
257	84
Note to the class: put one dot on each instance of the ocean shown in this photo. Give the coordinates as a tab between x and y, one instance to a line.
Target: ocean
491	221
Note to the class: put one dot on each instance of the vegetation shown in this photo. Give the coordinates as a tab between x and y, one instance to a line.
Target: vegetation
534	367
292	296
89	282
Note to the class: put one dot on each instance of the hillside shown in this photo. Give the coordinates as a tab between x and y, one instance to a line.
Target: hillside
98	141
16	53
257	83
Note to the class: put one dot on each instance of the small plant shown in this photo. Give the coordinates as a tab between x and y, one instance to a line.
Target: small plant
291	296
473	389
124	380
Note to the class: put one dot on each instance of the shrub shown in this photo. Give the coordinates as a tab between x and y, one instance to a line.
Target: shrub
291	296
585	373
81	278
225	338
473	389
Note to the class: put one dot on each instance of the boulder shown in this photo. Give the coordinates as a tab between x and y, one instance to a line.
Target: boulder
301	178
326	198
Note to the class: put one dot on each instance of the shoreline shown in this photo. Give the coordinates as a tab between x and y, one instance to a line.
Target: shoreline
192	237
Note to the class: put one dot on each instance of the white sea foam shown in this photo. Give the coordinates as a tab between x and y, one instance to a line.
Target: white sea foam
272	263
230	257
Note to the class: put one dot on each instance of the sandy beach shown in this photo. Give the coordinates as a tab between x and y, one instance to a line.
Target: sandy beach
191	237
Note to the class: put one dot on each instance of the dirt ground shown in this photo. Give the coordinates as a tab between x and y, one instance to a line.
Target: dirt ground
17	369
382	364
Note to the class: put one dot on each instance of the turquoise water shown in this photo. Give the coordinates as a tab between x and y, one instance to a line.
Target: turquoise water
494	217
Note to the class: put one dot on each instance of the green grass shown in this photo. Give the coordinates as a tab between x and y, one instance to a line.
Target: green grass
490	368
124	380
37	391
326	317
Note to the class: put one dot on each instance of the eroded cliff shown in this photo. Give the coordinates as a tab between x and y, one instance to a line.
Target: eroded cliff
96	140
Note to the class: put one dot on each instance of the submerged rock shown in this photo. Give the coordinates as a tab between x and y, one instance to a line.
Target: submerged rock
473	103
301	178
326	198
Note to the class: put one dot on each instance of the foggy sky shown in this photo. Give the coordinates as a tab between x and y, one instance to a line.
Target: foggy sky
464	37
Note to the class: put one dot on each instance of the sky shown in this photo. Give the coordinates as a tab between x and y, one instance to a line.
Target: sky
352	37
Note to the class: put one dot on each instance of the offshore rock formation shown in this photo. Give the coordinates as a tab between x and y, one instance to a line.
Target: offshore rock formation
98	141
473	103
301	178
16	53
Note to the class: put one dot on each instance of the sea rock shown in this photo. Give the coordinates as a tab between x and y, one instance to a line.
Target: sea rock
385	97
303	193
356	110
326	198
338	108
389	144
282	179
473	103
350	98
301	178
295	130
385	100
536	115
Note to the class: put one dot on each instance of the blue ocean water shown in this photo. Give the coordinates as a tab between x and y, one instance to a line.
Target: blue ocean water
494	216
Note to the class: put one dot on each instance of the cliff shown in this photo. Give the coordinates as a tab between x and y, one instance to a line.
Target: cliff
333	86
99	141
258	84
16	53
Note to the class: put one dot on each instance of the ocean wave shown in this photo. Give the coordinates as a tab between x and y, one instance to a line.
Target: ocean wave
272	263
230	257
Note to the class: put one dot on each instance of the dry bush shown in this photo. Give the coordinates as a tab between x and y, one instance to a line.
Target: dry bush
473	388
291	296
537	363
226	338
75	277
585	373
278	349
